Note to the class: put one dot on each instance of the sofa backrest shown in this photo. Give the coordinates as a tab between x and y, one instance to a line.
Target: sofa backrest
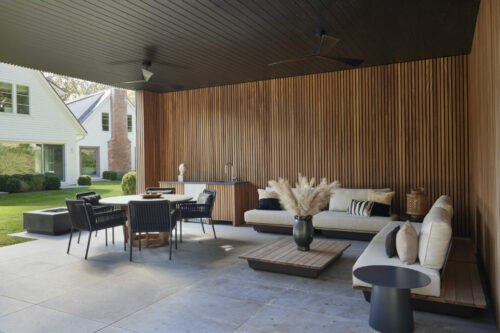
341	197
435	235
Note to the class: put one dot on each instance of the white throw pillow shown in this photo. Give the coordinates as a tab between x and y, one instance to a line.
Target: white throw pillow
435	234
407	243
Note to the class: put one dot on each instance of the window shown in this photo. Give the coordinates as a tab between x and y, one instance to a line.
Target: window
129	123
53	160
89	158
23	99
6	97
105	122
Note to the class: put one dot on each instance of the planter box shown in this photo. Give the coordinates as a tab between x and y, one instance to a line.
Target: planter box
50	221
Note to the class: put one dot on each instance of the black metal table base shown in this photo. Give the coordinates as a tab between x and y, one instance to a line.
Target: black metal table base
391	310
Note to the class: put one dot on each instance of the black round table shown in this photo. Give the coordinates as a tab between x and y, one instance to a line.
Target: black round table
390	302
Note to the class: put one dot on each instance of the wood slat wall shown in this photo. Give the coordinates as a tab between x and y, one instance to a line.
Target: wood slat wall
484	89
400	126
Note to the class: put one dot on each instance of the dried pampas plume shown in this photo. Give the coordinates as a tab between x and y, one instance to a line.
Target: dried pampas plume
310	199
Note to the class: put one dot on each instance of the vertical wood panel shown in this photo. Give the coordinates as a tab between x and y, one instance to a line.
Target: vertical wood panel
484	166
399	126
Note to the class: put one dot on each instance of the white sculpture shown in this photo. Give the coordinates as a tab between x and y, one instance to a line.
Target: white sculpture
182	171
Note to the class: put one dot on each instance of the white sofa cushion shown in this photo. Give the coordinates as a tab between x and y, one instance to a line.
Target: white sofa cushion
436	233
374	254
275	217
407	244
346	221
341	198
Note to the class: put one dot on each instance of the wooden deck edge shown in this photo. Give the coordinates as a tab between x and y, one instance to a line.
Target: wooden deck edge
431	299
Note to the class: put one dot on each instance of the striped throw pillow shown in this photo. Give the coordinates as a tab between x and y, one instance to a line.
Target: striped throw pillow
360	208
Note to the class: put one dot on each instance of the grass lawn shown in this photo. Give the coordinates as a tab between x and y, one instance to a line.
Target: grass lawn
12	206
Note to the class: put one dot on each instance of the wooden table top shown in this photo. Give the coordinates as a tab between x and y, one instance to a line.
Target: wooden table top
284	251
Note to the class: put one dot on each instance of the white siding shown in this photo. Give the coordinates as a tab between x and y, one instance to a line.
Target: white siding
49	121
98	138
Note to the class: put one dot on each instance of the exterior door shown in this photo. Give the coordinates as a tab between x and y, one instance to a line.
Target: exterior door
89	161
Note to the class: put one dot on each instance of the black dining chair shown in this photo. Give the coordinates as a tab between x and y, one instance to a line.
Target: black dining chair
151	216
162	190
200	209
93	199
84	218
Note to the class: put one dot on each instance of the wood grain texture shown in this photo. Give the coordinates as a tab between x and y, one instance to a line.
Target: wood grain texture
460	284
284	251
484	87
400	126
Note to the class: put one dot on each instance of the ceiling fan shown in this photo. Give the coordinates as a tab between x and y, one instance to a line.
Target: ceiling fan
322	50
146	71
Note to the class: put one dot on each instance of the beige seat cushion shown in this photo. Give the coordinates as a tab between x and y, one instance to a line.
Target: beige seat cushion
374	254
407	244
345	221
275	217
436	233
380	196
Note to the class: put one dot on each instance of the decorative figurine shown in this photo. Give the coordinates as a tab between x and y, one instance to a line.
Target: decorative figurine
182	171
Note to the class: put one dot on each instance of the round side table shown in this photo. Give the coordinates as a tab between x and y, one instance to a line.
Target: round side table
390	303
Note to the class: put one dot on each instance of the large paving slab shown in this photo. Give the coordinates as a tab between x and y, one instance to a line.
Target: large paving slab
204	288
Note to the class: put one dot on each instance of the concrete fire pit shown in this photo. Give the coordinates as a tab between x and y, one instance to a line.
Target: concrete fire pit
50	221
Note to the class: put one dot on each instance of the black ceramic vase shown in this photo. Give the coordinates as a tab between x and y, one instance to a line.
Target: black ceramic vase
303	232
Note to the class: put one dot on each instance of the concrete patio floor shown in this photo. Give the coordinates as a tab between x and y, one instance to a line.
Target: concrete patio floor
205	288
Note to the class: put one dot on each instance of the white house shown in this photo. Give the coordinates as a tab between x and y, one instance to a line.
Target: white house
103	117
38	133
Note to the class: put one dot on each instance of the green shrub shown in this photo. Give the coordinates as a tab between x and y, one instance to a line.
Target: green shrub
111	175
128	183
24	186
52	182
119	176
13	185
84	180
38	183
3	183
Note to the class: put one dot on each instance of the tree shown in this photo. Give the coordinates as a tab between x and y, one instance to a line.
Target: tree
70	88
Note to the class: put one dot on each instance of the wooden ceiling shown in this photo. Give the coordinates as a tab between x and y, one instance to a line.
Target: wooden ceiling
219	42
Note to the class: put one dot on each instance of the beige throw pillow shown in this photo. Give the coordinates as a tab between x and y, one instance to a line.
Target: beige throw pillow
266	194
407	243
380	197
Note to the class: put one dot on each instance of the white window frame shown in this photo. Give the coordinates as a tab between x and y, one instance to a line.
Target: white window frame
14	98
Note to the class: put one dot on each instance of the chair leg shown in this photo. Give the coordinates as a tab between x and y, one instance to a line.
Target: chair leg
96	233
124	238
113	234
213	227
88	244
79	234
180	223
130	242
175	237
140	247
69	244
170	245
202	226
106	233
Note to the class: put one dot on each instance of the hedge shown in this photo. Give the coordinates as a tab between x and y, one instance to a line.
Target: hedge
111	175
29	182
84	180
128	183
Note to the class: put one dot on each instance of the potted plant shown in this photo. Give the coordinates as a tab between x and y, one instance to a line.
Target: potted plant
307	201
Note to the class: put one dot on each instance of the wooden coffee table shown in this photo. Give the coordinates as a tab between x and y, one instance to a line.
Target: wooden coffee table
282	256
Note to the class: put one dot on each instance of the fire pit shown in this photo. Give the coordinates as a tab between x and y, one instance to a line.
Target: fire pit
51	221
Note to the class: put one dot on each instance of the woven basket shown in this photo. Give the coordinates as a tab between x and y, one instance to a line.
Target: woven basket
416	202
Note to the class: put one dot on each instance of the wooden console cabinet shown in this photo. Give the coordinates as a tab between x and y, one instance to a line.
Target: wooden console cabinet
231	201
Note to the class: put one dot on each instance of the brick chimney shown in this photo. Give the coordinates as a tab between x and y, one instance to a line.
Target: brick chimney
119	144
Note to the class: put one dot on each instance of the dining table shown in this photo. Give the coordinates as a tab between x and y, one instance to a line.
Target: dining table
150	238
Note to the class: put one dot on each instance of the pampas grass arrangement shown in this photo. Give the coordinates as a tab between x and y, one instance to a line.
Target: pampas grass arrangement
310	199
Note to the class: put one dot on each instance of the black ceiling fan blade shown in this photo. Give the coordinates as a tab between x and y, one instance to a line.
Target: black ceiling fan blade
327	45
348	61
289	61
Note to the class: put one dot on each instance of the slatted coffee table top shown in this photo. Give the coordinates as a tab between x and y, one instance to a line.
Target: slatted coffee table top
283	251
